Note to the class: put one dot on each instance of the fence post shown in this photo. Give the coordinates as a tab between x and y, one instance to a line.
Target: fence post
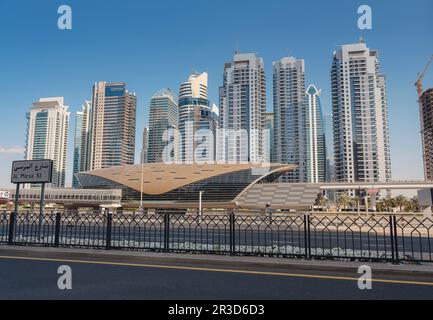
232	232
309	235
391	227
397	255
12	220
166	231
109	224
307	245
57	230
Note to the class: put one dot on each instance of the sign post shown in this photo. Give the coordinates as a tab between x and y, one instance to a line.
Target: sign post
17	198
31	171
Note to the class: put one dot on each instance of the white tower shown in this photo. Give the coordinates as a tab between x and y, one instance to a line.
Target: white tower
47	135
360	116
242	111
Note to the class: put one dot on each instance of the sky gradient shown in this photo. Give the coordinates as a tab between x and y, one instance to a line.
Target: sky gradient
156	44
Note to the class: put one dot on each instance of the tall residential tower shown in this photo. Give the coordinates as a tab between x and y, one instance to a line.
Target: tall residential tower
163	128
315	136
47	135
242	114
290	116
82	141
360	116
426	103
196	121
112	126
145	146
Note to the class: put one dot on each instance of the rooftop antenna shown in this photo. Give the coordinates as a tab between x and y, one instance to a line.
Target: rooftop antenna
237	47
361	37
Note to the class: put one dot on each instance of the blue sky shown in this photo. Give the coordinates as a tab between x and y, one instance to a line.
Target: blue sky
156	44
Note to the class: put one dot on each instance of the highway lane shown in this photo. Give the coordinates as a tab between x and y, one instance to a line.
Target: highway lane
30	277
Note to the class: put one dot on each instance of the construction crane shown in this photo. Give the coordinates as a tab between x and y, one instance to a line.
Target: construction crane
421	77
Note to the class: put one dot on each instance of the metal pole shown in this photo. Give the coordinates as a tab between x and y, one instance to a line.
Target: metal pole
141	193
359	201
17	198
41	209
13	217
200	203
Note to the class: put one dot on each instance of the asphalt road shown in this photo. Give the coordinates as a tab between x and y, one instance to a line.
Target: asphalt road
35	277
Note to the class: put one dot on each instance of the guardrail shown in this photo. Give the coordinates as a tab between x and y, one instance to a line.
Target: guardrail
373	238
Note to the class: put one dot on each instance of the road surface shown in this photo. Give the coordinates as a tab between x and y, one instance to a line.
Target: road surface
34	276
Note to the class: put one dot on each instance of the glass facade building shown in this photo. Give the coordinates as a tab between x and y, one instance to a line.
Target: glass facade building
163	128
47	135
82	141
290	116
197	122
112	126
315	136
242	114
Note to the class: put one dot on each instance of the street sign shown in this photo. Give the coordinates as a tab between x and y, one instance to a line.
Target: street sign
32	171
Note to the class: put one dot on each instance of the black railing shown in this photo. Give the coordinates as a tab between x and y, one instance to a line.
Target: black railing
373	238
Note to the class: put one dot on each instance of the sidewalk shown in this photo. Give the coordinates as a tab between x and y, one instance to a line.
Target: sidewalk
217	260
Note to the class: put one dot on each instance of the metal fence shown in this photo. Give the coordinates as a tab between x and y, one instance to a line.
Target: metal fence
373	238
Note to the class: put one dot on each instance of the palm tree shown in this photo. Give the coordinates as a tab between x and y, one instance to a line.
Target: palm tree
355	202
412	205
343	200
388	203
400	201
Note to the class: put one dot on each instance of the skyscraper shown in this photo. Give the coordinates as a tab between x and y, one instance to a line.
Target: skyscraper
315	136
269	138
47	135
329	143
196	121
242	110
426	103
289	116
143	157
82	141
360	115
163	127
112	125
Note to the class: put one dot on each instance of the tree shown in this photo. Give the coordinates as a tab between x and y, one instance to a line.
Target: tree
343	200
412	205
355	202
400	201
380	206
321	201
388	203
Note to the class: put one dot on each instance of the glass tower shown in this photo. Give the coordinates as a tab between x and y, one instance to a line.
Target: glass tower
112	125
315	136
163	128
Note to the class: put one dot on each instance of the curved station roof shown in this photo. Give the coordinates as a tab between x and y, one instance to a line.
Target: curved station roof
181	183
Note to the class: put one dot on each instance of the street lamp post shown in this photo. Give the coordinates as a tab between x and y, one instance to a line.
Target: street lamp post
200	203
141	187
